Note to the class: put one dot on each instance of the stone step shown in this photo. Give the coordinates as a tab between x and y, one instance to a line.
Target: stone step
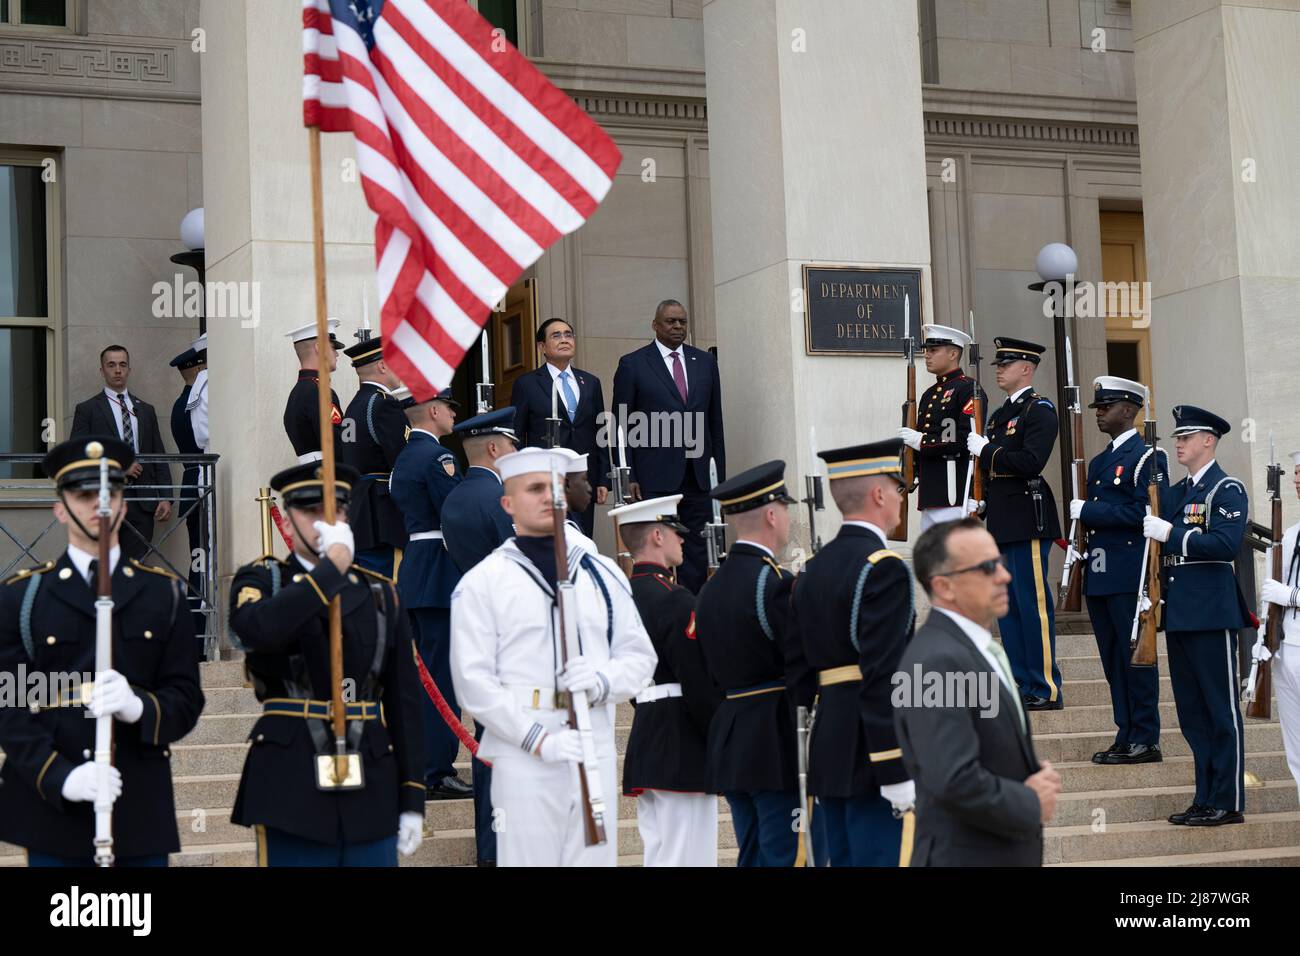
1089	667
1085	645
205	760
222	674
230	700
1156	803
1062	748
1094	691
1097	718
1173	772
1261	856
1150	838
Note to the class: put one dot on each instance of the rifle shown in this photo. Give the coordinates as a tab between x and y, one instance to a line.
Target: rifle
104	662
974	477
1258	694
1142	639
815	499
1070	598
485	391
593	798
621	477
909	421
715	532
803	736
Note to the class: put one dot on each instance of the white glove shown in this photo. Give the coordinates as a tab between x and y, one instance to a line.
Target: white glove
1275	592
1157	529
1144	605
340	532
1259	651
581	675
410	833
82	785
974	507
1076	508
975	443
113	697
901	795
561	746
911	438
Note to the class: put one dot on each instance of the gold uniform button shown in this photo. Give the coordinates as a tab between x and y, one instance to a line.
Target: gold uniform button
148	635
297	578
128	572
51	639
261	737
36	708
352	578
167	753
390	746
65	574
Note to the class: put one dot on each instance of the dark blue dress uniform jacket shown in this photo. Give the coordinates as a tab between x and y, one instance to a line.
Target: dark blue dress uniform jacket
302	415
153	648
287	640
742	621
850	610
473	520
1021	435
425	473
1200	588
666	749
943	416
1112	516
376	425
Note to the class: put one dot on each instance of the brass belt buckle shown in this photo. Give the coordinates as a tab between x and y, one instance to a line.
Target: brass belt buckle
326	778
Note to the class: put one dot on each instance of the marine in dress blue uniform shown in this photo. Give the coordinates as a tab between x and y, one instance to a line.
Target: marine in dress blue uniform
376	426
189	363
302	410
279	612
1116	499
423	475
742	621
853	607
1020	513
1203	519
47	627
473	525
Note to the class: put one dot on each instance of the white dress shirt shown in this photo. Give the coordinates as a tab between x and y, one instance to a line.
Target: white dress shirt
1115	443
197	406
573	384
116	402
667	353
869	526
754	544
1196	478
1017	393
81	561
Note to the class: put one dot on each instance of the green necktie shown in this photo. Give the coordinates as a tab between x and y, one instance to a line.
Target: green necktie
996	650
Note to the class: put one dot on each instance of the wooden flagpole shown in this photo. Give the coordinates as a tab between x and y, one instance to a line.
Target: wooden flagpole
326	408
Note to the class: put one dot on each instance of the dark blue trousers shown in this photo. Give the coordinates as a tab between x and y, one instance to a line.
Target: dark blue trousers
1134	691
1203	671
765	826
46	859
379	560
278	848
860	831
1029	629
432	627
485	838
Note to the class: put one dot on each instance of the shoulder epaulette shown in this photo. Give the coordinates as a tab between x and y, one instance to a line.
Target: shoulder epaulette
152	570
876	557
28	572
373	574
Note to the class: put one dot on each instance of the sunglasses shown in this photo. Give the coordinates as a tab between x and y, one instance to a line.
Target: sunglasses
988	568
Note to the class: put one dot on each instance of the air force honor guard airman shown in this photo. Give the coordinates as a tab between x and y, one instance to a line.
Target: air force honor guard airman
375	427
943	417
47	626
1021	515
1202	524
854	611
302	410
505	658
742	621
1111	513
664	767
279	610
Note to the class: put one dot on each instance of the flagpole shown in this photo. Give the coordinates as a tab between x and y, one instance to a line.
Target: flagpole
326	408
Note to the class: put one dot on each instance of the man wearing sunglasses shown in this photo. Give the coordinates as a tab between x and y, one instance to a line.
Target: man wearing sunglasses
982	795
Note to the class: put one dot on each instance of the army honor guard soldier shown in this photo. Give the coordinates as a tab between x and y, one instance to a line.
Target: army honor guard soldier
49	783
505	659
854	611
1112	516
742	621
1021	515
302	410
1203	521
665	763
943	418
280	615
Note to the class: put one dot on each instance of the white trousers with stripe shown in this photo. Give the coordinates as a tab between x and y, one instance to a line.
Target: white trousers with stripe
678	829
1286	680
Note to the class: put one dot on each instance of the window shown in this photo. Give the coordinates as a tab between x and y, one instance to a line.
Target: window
511	16
28	324
54	14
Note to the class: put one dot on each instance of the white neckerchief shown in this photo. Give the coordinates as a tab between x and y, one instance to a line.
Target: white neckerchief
81	561
869	526
1114	445
667	353
1196	478
981	638
762	547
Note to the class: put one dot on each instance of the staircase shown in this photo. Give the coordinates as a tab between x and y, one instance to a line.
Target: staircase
1107	815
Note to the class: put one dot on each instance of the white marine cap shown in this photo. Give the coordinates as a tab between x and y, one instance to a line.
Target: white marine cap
651	511
308	331
526	461
1111	388
942	334
1295	457
200	343
577	463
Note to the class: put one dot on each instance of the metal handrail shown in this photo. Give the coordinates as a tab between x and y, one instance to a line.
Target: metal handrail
202	587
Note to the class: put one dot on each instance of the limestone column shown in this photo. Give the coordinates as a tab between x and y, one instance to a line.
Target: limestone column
258	231
817	155
1219	121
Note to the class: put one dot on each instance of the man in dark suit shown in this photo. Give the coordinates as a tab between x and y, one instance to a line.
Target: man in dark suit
670	382
115	411
578	400
982	795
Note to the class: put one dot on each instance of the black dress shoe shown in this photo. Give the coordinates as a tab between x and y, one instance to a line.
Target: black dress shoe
1101	755
1179	819
1042	703
1209	817
450	787
1136	753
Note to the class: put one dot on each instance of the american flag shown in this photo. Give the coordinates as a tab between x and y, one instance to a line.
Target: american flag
472	160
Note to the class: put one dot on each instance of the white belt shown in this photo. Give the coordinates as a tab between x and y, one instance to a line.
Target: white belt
658	692
539	698
309	457
427	536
